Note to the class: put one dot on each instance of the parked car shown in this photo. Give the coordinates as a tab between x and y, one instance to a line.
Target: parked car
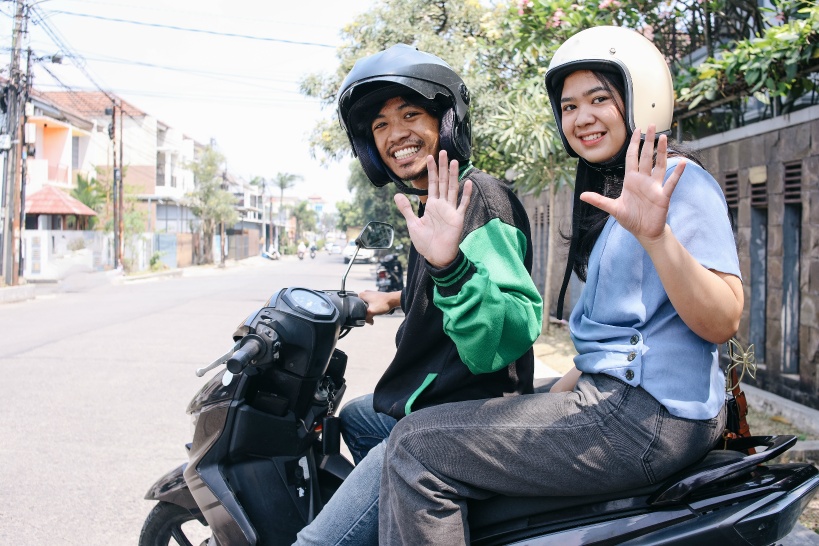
365	255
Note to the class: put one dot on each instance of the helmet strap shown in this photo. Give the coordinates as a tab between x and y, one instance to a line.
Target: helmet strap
409	190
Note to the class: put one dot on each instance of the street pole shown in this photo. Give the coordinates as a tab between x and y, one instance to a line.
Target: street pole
12	172
121	186
24	165
112	134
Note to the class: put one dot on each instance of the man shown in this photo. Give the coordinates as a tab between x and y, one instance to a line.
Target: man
471	316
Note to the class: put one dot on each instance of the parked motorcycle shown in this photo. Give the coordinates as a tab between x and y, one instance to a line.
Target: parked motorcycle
389	275
265	458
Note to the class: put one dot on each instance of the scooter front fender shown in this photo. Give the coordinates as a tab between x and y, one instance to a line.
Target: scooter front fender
172	488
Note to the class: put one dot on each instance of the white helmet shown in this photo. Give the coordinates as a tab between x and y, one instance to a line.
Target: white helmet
649	91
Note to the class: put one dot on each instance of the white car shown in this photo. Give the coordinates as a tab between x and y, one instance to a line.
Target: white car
365	255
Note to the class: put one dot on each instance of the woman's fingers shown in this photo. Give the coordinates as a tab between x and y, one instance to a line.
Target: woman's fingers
671	183
603	203
647	155
632	159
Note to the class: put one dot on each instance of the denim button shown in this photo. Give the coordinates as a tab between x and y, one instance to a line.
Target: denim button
632	356
634	339
629	375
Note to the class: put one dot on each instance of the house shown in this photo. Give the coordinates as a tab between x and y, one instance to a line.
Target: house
155	157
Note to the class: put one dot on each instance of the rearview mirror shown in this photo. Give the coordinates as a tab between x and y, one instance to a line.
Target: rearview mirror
376	235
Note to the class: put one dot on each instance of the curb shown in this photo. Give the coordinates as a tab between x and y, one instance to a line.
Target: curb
802	417
157	275
12	294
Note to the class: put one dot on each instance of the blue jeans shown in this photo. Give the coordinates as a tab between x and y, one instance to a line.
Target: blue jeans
351	515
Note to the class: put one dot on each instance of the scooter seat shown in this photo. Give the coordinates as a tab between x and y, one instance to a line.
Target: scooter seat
500	508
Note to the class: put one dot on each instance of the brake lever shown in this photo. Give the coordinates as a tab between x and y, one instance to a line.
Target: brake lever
218	362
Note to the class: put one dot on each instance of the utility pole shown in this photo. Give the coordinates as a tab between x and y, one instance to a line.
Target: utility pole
121	187
11	174
24	164
112	134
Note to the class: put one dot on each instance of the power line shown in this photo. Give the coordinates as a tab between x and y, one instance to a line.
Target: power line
196	30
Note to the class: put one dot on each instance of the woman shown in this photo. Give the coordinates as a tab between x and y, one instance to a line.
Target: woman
653	240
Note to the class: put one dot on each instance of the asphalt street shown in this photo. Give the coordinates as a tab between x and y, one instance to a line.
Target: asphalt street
97	376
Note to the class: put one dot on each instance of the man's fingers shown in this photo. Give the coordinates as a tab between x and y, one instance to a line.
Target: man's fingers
404	206
432	177
452	195
466	196
443	174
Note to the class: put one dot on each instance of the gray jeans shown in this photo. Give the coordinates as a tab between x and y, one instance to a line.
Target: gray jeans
605	436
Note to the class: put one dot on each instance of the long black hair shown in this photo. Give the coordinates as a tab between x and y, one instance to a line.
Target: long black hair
606	179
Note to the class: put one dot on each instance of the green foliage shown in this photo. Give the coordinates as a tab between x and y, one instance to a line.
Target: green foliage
156	262
306	218
91	193
777	63
209	201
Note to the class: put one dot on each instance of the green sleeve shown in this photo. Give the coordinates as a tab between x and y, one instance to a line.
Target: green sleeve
492	309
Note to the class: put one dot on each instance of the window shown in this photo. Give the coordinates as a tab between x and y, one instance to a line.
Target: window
75	152
791	242
160	168
759	267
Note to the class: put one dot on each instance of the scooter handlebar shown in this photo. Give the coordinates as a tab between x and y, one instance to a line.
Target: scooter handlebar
250	349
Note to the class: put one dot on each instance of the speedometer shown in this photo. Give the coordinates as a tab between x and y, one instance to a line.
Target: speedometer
313	303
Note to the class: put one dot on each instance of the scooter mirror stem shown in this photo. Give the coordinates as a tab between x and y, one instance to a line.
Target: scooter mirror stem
343	293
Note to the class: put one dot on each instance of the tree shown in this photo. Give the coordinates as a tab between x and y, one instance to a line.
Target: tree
91	193
447	29
283	181
209	201
306	218
526	137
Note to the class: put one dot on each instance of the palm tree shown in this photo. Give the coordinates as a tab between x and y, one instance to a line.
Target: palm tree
89	192
284	181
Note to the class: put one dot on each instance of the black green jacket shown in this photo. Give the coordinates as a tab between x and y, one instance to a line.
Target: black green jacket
469	328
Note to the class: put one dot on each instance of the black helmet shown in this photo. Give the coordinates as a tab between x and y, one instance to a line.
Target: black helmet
389	73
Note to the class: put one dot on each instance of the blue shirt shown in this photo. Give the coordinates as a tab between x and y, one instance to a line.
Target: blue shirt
624	324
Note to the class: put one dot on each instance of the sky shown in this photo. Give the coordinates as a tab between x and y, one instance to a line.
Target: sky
226	70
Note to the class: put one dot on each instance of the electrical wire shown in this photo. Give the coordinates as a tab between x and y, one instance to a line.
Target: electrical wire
195	30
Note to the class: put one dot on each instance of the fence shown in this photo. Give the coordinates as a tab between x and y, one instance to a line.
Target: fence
52	255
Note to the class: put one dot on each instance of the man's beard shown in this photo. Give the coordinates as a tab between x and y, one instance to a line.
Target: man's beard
413	177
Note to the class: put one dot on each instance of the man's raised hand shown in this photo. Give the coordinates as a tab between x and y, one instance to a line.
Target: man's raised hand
437	233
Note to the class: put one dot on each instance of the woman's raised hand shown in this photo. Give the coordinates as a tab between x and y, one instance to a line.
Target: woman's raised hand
642	207
437	233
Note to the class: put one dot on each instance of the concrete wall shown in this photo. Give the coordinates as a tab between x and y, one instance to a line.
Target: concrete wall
762	157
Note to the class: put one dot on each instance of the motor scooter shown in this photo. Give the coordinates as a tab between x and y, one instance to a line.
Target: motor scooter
313	251
389	275
265	455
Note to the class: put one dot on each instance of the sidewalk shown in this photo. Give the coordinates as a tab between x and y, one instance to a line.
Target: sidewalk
85	280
